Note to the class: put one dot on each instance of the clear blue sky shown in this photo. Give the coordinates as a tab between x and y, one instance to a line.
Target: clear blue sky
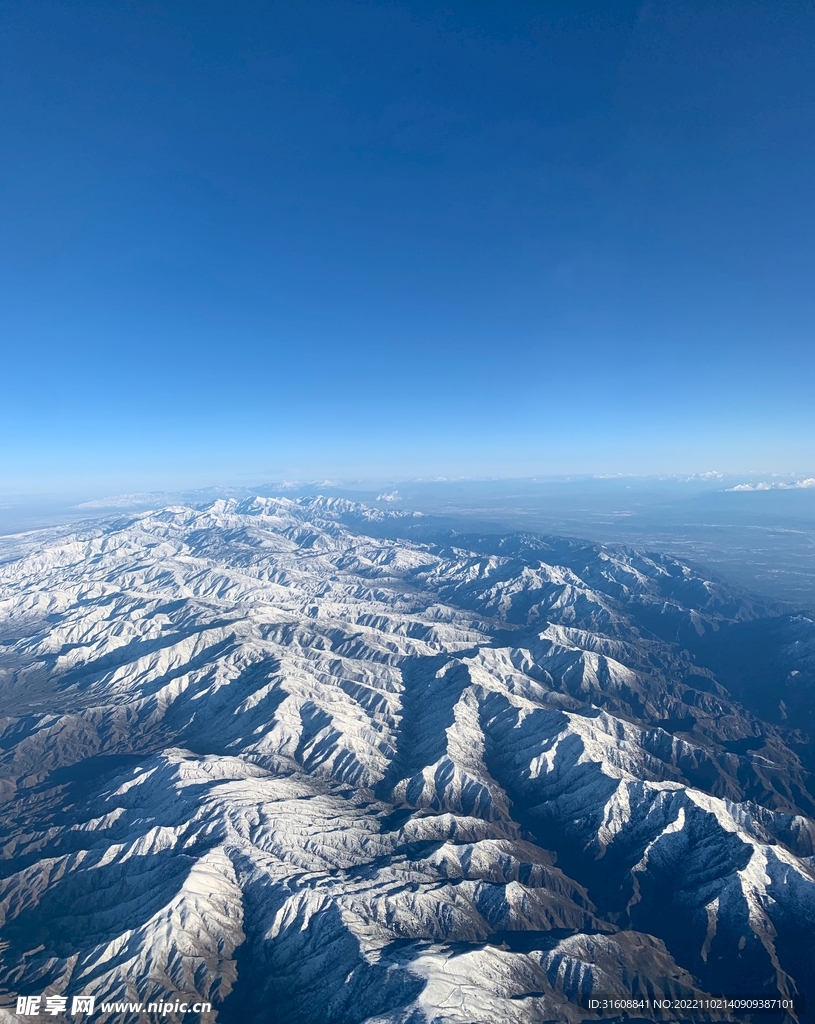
268	239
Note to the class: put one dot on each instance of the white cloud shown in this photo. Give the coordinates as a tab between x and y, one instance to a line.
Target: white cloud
765	485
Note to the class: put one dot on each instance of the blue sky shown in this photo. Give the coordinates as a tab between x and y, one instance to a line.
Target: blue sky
265	240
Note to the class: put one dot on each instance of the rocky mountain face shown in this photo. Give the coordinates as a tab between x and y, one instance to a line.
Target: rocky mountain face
265	756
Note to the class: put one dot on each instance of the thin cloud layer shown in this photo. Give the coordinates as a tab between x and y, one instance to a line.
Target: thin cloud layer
765	485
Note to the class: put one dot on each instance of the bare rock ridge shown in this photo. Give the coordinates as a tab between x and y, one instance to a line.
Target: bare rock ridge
267	755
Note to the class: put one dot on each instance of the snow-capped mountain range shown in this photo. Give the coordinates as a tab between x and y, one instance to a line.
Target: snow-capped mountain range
280	756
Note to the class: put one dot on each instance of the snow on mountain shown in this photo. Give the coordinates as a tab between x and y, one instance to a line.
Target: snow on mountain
256	756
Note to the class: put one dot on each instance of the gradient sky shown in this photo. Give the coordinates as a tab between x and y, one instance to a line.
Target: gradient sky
254	240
